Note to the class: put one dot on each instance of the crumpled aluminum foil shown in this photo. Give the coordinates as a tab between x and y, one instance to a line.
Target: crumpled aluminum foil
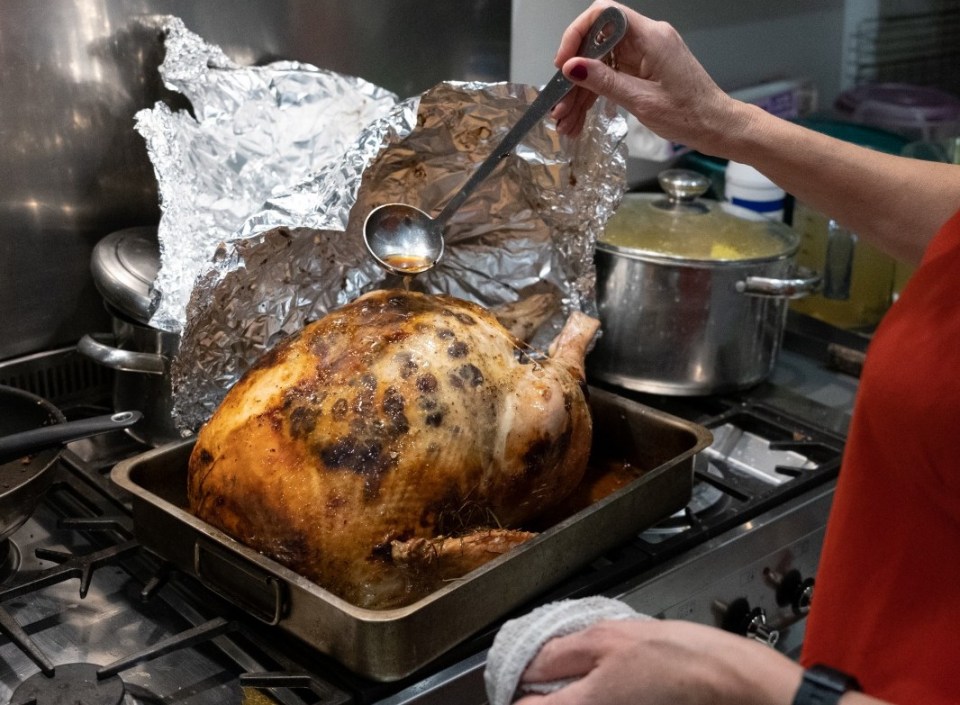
522	245
254	131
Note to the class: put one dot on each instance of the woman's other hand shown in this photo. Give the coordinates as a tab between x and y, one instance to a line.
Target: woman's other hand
643	662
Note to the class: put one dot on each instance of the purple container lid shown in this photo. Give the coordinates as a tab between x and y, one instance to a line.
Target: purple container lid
900	103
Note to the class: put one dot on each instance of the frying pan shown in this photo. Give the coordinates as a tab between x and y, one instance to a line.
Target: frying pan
31	424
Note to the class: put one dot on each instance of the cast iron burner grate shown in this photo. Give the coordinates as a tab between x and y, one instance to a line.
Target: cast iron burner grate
71	684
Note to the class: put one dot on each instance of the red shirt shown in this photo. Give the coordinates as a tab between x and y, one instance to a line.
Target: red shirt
886	606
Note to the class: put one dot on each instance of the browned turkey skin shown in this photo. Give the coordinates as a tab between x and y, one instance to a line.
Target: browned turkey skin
394	444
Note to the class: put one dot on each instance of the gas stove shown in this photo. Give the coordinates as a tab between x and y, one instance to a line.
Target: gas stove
87	615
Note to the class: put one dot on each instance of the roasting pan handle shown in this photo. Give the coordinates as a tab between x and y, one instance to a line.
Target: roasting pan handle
230	576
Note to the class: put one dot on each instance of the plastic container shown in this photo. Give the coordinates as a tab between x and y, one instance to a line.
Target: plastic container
915	112
746	187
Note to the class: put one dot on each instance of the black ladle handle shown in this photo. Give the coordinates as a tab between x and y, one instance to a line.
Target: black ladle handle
605	33
17	445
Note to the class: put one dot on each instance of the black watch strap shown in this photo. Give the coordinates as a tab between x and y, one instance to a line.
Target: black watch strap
823	686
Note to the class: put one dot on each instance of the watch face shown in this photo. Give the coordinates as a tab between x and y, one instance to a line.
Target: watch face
822	685
832	678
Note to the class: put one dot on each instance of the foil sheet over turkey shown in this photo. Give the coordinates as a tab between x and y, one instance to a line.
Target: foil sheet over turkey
252	132
522	245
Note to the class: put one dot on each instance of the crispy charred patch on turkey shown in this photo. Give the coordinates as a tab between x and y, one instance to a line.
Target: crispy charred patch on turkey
427	383
467	376
408	366
319	347
545	452
394	407
365	457
470	374
366	394
458	349
339	409
302	421
302	406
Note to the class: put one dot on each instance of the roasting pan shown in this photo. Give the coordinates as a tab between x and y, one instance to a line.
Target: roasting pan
386	645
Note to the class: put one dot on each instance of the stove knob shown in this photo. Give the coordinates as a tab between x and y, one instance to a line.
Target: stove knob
794	590
739	618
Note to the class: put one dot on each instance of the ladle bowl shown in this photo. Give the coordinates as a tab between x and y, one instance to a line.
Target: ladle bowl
403	239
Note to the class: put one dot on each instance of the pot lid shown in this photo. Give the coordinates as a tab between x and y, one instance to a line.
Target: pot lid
124	266
683	226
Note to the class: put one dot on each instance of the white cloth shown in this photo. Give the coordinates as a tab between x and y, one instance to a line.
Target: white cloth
519	640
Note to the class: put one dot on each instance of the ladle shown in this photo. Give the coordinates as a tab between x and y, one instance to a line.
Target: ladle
406	240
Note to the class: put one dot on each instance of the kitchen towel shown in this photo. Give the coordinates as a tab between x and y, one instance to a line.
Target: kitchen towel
519	640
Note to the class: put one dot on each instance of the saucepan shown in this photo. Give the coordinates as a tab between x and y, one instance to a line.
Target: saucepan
692	293
124	266
32	434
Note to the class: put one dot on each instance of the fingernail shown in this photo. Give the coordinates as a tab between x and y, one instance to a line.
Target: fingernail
579	72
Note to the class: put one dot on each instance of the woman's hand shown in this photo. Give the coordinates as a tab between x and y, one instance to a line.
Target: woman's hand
656	78
643	662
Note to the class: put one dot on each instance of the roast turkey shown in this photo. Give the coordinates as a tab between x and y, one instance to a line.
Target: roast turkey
396	443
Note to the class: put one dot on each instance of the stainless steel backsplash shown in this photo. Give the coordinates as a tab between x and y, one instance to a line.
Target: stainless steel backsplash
73	74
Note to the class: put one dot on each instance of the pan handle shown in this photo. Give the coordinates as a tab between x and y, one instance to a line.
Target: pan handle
238	582
23	443
123	360
805	282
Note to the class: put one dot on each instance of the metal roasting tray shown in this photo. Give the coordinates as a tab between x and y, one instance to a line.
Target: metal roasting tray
386	645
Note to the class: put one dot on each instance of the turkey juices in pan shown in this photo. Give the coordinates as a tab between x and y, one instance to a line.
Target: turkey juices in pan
398	442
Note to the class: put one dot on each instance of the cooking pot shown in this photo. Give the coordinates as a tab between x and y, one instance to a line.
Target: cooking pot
692	293
124	267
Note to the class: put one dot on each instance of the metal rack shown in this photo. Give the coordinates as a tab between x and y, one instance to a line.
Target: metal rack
920	48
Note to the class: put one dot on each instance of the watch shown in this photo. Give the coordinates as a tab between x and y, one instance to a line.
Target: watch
822	685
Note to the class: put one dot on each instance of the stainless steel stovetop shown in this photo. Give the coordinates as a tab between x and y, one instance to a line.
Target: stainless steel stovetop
89	616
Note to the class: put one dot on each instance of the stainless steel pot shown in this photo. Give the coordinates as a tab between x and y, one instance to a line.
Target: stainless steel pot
124	266
692	294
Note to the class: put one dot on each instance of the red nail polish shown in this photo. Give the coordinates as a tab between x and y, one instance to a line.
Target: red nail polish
579	72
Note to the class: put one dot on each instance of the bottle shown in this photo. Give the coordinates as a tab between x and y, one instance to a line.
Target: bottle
746	187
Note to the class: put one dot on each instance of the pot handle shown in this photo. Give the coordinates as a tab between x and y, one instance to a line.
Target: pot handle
805	282
123	360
